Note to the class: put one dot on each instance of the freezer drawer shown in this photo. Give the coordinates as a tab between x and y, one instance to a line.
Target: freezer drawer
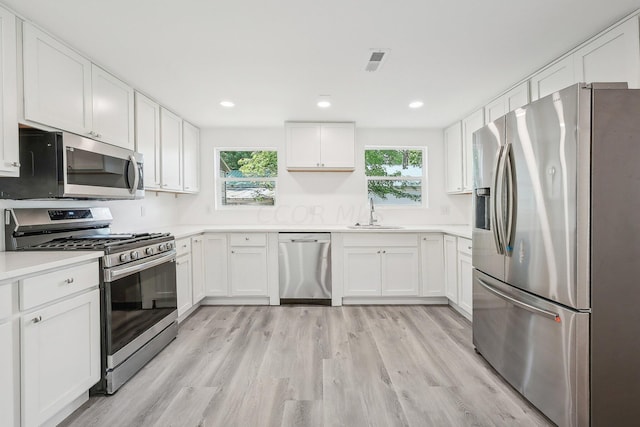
540	348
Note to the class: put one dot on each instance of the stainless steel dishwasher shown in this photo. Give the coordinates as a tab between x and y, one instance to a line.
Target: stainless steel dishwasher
304	261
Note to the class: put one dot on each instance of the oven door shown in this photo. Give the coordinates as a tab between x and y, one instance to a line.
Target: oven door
140	301
98	170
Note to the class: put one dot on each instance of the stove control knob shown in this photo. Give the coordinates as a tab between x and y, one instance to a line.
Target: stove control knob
135	255
124	257
162	247
169	246
149	251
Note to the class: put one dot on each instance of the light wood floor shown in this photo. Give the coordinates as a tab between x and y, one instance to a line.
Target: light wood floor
315	366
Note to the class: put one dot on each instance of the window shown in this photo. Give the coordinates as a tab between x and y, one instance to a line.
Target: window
395	177
247	178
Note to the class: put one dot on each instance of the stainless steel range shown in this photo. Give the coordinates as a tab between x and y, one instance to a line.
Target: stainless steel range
138	284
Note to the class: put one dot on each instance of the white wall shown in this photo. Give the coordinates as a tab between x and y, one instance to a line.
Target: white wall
322	197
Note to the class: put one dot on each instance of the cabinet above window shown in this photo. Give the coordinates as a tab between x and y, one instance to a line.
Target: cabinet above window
320	146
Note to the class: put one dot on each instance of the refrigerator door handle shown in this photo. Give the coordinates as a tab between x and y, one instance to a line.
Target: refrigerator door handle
498	199
511	197
495	227
539	311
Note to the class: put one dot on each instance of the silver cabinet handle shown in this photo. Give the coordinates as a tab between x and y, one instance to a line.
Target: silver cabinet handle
37	319
184	246
14	164
69	280
546	313
233	252
246	238
469	247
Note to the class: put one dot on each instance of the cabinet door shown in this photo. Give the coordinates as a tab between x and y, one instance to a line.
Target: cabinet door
362	276
517	97
197	268
465	282
494	109
57	83
451	268
453	157
432	257
60	355
7	386
303	145
248	270
148	138
191	163
171	150
400	272
9	158
612	57
112	109
469	125
184	284
215	265
337	145
553	78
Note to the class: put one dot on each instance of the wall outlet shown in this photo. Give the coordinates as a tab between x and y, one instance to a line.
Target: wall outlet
143	211
209	210
445	210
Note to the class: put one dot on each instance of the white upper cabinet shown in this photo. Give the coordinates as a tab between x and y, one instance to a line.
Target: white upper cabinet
612	57
470	124
320	146
112	109
147	130
171	150
57	83
62	89
9	159
515	98
191	156
555	77
453	157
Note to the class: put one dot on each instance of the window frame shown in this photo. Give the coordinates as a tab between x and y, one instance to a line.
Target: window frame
219	180
423	178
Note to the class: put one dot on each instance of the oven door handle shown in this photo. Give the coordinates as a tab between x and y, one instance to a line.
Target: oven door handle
136	175
115	273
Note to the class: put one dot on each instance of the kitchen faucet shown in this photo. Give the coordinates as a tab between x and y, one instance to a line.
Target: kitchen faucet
372	211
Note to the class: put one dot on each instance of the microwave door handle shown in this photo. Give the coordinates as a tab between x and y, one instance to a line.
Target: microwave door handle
136	174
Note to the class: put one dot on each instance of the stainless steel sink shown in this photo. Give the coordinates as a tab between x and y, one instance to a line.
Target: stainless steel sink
374	227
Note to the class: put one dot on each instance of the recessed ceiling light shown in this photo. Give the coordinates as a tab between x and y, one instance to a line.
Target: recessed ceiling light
227	104
416	104
324	104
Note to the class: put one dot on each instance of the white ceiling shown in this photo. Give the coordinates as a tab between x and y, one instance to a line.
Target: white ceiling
273	58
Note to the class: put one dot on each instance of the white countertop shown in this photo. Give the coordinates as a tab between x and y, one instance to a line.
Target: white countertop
180	231
16	264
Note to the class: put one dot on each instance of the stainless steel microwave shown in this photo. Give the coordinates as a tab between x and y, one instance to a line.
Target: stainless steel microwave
65	165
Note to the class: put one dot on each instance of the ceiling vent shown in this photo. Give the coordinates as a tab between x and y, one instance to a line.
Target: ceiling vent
376	58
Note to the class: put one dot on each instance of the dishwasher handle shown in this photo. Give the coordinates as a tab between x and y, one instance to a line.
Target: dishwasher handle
304	240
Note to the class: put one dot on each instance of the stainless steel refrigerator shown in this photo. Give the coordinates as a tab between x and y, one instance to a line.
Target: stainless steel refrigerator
556	253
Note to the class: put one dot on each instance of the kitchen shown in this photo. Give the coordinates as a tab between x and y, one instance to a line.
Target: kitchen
313	200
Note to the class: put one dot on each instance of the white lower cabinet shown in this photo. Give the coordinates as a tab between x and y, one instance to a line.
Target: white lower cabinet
215	265
451	268
458	269
465	273
184	284
432	264
197	268
60	354
7	366
248	271
381	265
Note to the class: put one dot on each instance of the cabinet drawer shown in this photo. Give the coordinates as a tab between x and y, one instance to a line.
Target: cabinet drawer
183	246
6	300
380	239
248	239
41	289
464	245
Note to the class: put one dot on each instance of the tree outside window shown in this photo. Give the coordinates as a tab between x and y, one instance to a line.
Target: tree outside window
248	178
395	176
